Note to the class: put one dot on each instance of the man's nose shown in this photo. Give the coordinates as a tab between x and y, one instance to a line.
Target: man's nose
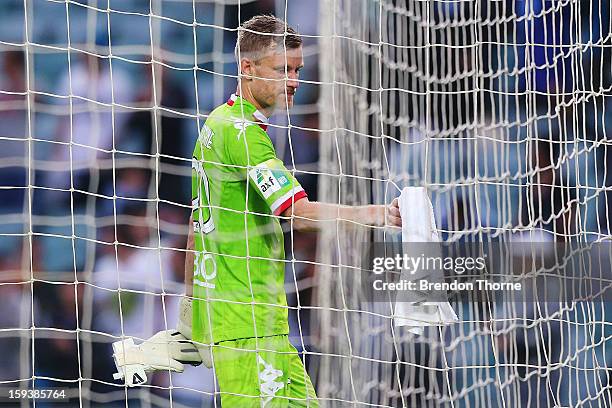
292	80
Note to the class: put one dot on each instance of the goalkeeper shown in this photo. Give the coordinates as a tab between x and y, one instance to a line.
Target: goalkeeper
240	188
235	266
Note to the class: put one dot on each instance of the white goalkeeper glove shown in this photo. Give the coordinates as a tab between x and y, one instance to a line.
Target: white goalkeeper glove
166	350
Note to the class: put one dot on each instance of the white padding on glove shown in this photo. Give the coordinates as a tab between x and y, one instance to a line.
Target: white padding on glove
166	350
184	327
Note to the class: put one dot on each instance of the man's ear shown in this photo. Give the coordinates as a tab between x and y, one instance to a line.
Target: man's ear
246	68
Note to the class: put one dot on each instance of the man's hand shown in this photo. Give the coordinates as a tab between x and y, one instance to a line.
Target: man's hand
393	217
166	350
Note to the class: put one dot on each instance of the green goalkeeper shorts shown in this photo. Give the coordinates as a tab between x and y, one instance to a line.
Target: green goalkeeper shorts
269	374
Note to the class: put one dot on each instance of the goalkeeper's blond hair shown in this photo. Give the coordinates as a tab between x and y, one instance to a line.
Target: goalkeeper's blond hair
262	33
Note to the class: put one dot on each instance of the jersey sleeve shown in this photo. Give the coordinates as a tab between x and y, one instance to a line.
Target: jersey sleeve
248	144
253	149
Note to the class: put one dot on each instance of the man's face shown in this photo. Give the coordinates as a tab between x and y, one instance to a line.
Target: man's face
275	78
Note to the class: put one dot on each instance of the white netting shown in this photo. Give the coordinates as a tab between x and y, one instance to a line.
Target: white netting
101	103
499	108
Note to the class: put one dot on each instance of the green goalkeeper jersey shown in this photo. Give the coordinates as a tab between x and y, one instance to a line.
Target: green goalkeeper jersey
239	187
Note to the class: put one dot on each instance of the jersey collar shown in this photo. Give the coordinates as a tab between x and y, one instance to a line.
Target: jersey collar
262	120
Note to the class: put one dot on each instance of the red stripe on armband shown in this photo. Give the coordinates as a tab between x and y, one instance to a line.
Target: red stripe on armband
297	196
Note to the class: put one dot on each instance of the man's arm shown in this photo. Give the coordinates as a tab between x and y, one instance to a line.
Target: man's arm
189	256
313	215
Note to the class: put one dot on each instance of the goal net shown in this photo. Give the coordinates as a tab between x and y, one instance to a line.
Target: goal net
498	108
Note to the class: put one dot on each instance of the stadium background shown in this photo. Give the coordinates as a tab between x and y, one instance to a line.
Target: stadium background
73	234
56	353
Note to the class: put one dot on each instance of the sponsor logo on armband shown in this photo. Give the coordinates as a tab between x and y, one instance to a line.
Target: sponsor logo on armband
281	178
268	181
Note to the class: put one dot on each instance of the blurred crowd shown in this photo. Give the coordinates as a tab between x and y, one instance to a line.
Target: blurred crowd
514	130
535	167
95	186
